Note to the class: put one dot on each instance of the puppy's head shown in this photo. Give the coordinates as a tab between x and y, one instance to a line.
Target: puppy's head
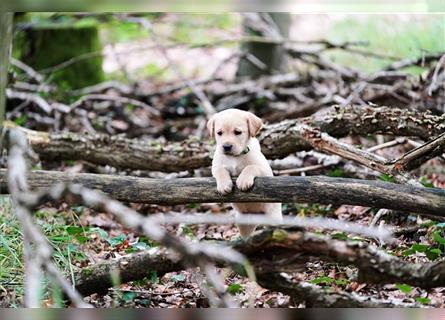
232	129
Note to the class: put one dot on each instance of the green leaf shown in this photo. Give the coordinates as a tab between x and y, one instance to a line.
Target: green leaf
21	120
426	182
234	288
423	300
338	172
405	288
115	241
81	238
438	238
73	230
129	296
178	277
433	254
408	252
420	247
342	282
325	280
339	236
387	177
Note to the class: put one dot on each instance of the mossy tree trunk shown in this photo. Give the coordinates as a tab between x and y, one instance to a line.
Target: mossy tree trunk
5	48
74	48
272	55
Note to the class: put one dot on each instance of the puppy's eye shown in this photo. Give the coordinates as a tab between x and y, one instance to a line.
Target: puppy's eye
237	132
219	133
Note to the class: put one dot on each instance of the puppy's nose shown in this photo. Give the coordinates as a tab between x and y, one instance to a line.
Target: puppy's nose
227	147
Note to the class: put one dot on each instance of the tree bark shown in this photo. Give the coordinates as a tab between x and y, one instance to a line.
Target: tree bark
277	140
273	56
315	297
5	49
97	277
315	189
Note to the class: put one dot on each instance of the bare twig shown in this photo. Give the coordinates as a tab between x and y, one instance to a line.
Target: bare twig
26	96
256	219
27	69
418	61
324	142
433	85
389	144
416	157
37	250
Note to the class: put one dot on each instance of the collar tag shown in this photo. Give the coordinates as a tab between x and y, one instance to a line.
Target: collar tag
245	151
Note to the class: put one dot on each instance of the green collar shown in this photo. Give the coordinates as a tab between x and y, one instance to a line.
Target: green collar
245	151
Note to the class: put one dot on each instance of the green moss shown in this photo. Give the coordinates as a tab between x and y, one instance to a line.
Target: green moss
49	44
279	235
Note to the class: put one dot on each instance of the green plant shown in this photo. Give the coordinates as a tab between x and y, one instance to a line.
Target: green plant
405	288
234	288
432	251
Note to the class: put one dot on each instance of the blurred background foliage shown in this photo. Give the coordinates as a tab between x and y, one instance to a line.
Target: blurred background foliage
128	53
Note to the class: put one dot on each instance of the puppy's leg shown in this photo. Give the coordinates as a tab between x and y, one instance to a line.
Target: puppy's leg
273	211
224	182
244	229
247	176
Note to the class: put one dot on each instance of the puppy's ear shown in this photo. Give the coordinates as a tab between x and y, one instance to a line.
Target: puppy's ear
211	126
254	124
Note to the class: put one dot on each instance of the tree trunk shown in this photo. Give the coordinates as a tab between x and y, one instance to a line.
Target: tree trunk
272	55
5	49
315	189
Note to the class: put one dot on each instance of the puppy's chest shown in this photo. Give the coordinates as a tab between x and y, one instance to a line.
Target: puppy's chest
234	166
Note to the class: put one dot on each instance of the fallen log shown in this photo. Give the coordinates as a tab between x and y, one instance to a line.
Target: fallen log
273	251
314	189
277	140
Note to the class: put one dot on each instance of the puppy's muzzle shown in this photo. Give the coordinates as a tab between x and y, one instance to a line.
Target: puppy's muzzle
227	148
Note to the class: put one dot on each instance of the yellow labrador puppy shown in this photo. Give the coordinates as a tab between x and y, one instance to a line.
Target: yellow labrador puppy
238	153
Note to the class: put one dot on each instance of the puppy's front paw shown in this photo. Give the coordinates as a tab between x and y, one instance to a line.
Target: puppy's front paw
224	187
244	182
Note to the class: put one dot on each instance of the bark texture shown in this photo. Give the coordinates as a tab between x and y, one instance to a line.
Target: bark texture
97	277
314	189
277	140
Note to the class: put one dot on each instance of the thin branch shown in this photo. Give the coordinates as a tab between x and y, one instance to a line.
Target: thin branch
389	144
421	61
379	233
433	85
417	156
324	142
37	250
26	96
27	69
